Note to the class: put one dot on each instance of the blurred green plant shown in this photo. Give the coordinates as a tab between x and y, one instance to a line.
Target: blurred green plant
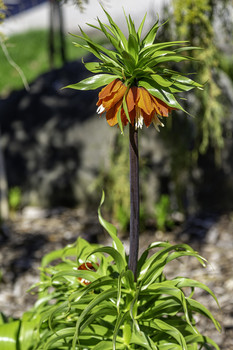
15	198
194	21
2	11
116	182
104	308
33	59
163	213
188	138
226	64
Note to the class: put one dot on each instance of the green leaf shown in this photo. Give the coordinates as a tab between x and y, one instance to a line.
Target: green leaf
96	47
172	331
100	312
27	330
179	254
104	345
167	306
86	274
164	288
188	48
133	46
129	60
93	67
119	321
96	301
132	28
159	46
116	30
9	335
178	78
164	95
139	33
145	264
198	307
115	42
187	282
88	48
126	109
111	229
161	81
102	283
150	36
200	339
93	82
142	339
166	58
118	259
119	120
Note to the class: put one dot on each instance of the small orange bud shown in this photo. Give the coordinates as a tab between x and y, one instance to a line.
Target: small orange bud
86	266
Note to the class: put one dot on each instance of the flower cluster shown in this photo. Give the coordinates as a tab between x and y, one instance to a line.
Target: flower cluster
141	105
138	88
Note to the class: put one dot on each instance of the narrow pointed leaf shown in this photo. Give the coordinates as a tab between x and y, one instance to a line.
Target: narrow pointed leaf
93	82
111	229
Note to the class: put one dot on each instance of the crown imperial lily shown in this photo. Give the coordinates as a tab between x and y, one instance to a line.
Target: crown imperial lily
141	105
138	88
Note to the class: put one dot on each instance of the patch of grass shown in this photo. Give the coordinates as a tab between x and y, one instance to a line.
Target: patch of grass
29	51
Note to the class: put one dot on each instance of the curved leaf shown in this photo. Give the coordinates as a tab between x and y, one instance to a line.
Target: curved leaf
118	259
93	82
172	331
111	229
198	307
9	335
197	338
96	301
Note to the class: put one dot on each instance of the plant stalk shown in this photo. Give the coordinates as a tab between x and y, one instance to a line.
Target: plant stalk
134	200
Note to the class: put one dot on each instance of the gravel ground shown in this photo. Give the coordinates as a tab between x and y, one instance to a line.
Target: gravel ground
34	232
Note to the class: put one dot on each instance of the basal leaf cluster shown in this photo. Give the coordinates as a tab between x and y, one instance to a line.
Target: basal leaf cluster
113	311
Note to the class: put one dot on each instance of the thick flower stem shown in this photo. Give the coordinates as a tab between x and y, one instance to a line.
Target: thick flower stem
134	199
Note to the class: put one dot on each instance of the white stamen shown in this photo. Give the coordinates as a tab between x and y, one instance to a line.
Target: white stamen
100	109
139	120
157	122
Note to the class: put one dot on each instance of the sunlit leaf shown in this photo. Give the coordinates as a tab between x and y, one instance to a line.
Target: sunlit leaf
93	82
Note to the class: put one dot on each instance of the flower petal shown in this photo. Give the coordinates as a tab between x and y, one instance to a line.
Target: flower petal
111	100
144	101
161	107
111	114
111	87
147	117
131	98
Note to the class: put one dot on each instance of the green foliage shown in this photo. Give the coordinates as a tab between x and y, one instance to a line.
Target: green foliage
15	198
112	311
17	334
163	213
193	21
136	61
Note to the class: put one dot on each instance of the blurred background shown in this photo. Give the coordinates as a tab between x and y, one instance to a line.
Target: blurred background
56	154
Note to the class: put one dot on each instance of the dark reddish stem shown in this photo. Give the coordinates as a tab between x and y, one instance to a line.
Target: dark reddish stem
134	199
